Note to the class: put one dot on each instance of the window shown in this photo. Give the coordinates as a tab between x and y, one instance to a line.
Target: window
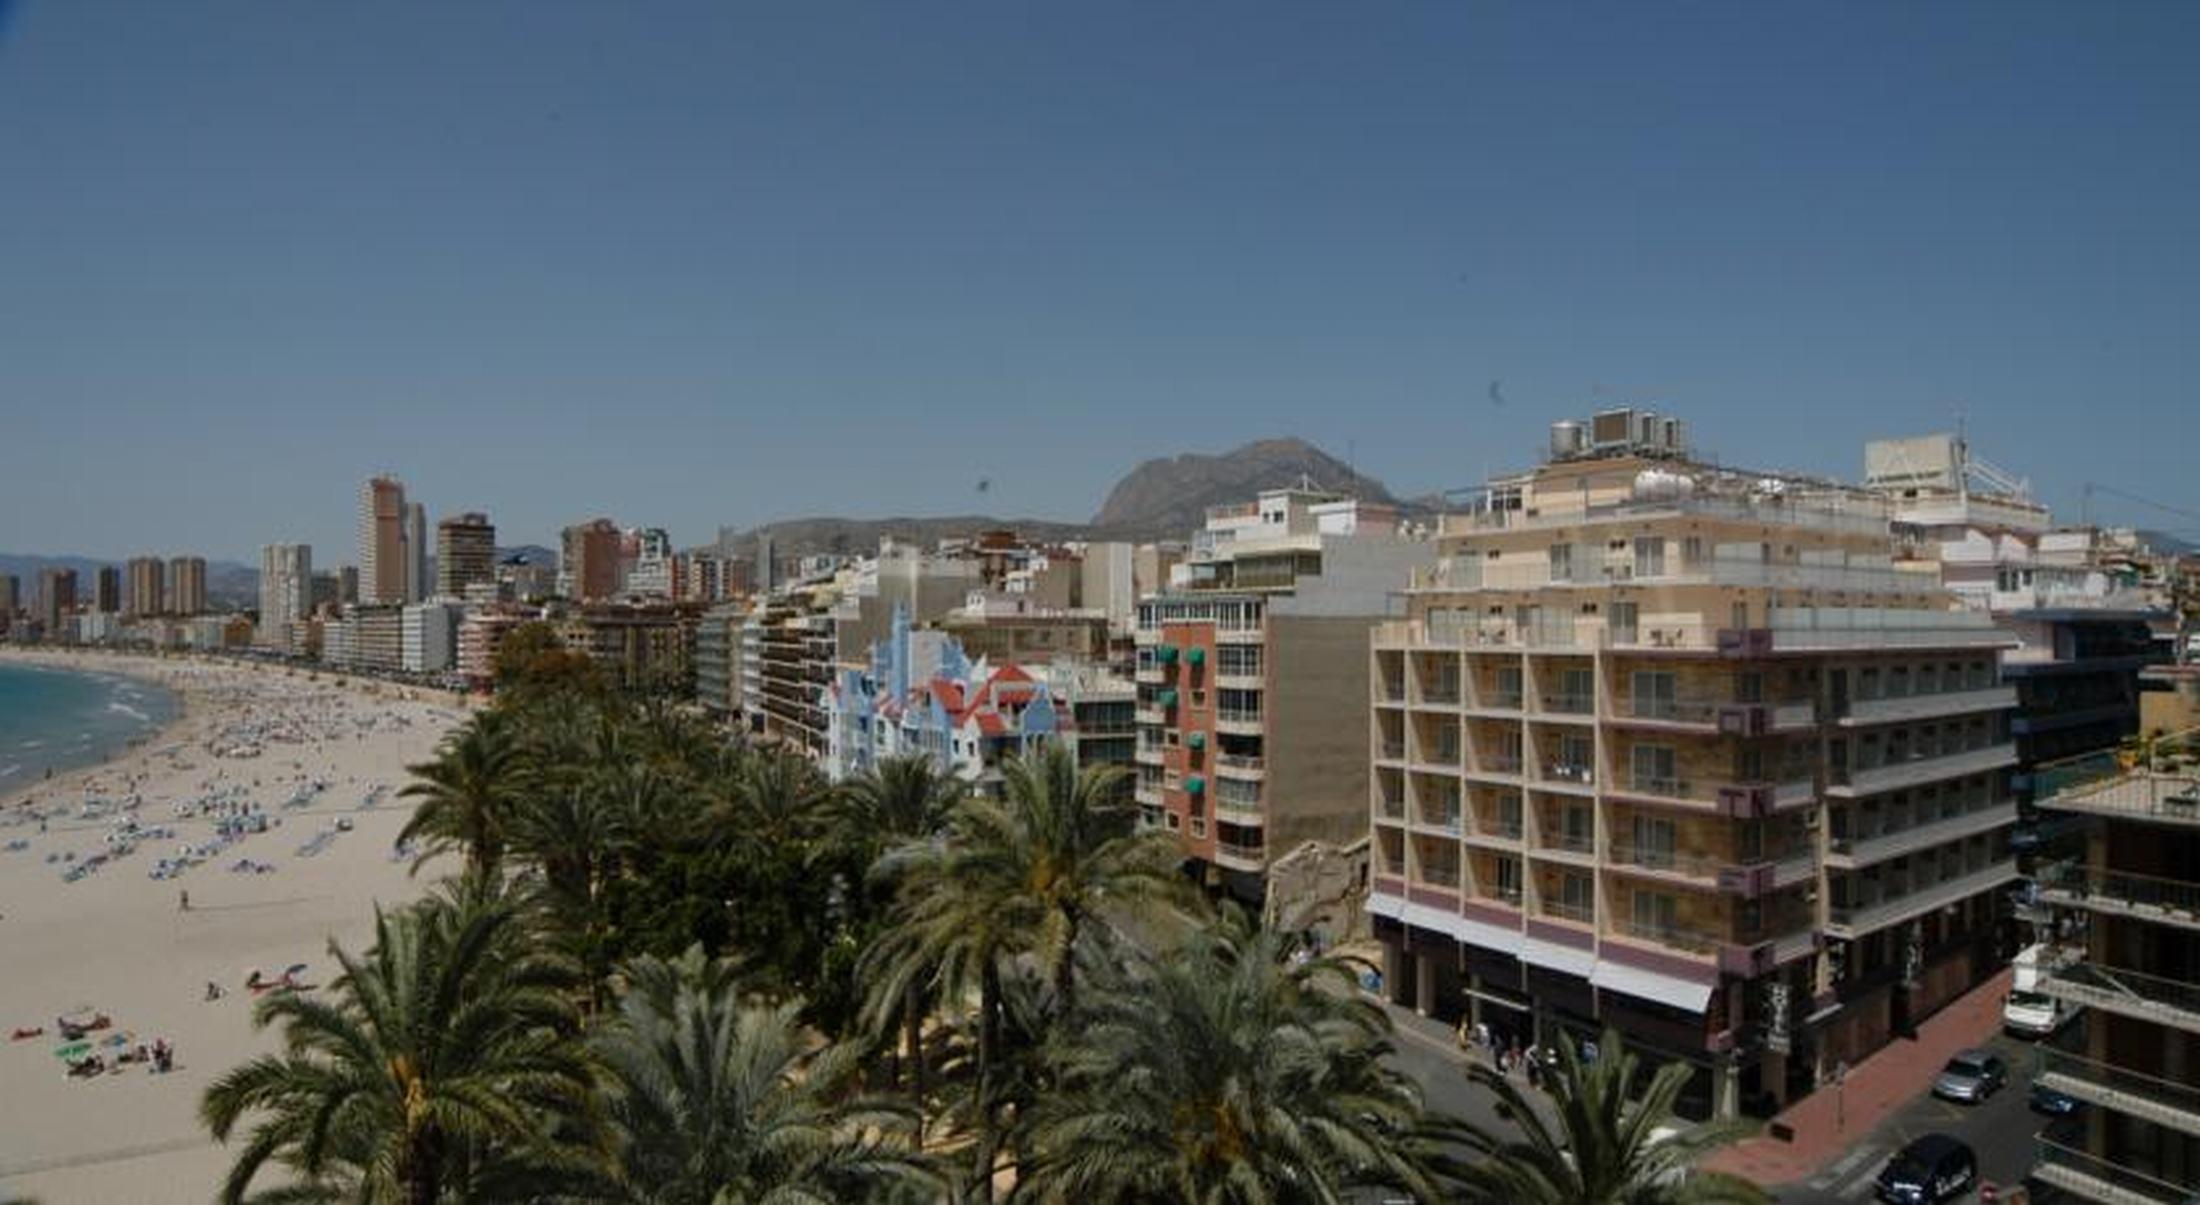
1508	878
1654	841
1649	556
1508	814
1655	913
1577	896
1653	767
1654	694
1576	690
1692	552
1579	827
1508	687
1623	622
1562	562
1749	687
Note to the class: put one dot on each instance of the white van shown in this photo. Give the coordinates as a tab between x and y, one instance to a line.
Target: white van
2028	1010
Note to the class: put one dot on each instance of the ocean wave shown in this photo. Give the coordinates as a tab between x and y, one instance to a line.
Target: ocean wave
10	771
32	745
132	712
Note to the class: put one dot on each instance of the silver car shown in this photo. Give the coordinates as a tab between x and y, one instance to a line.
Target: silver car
1971	1076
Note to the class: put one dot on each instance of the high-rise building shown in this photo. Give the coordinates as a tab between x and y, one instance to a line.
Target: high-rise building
1687	751
465	553
327	591
382	571
286	592
588	561
107	591
428	633
2124	928
417	576
1250	667
148	592
347	584
187	585
56	599
11	596
651	572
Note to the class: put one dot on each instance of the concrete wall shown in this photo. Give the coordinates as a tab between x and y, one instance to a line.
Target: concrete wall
1317	744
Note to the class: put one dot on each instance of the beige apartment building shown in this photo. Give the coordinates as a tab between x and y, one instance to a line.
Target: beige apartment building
1251	671
1682	750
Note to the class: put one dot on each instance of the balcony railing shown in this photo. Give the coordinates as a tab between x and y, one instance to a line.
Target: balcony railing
1391	809
1918	769
1583	914
1570	703
1929	705
2139	795
1669	861
1444	820
1499	700
1236	715
1498	829
2096	1179
1240	850
1441	755
1240	762
1440	876
1570	773
2165	901
1499	763
1661	787
1441	695
2164	1102
1861	918
2173	1002
1894	842
1568	843
1392	750
1694	941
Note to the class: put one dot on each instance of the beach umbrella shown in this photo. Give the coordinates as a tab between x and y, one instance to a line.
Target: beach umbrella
74	1050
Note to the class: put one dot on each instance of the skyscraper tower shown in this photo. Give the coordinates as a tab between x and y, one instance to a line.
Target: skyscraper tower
146	594
187	585
286	592
417	579
465	553
107	591
382	561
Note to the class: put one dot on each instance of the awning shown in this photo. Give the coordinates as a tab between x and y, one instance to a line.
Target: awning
1196	657
1167	653
1197	740
1684	994
1196	785
1166	698
1551	955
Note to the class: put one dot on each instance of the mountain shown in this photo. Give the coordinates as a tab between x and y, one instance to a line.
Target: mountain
1162	499
1170	495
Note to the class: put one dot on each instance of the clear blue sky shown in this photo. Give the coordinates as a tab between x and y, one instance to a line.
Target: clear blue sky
697	263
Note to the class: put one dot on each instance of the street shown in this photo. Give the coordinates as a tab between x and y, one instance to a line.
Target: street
1999	1131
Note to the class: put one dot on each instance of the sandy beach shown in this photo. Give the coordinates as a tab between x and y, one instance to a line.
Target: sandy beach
303	775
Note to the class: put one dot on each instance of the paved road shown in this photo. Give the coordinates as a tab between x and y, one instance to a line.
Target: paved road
2000	1131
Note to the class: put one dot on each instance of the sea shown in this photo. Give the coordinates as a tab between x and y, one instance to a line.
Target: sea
58	720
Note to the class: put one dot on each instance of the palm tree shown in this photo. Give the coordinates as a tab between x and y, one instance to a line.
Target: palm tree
467	793
714	1099
1024	875
441	1069
1608	1146
1228	1072
899	800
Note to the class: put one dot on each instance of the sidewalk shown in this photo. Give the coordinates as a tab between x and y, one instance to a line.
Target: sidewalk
1829	1121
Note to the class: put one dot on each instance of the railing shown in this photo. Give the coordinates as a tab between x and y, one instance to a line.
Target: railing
1444	696
1661	787
1442	819
1240	761
2117	1087
2097	1179
1503	830
1439	876
1565	772
2170	1001
1499	763
1692	940
1508	896
1868	516
1672	711
1921	768
1570	843
1236	715
2078	884
1571	703
1894	840
1393	750
1890	709
1391	809
1442	755
1919	899
1240	851
1646	857
1390	692
1500	700
1585	914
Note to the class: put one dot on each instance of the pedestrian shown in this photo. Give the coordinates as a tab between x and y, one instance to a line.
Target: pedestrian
183	901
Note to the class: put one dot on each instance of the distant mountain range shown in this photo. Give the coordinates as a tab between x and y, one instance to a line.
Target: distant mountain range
1160	499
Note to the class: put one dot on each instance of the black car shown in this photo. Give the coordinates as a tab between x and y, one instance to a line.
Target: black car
2053	1103
1931	1169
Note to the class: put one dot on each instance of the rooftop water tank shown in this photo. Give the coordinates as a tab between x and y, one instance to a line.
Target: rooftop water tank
1568	439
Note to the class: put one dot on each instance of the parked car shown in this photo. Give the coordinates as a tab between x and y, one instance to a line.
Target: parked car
1931	1169
2053	1103
1971	1076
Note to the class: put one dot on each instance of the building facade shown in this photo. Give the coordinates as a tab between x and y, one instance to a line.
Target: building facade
1685	751
56	600
465	553
1252	674
286	593
148	591
187	585
429	637
2127	954
107	591
588	561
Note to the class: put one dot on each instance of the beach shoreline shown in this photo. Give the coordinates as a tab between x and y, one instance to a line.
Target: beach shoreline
272	794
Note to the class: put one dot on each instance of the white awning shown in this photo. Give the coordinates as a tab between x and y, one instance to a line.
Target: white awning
1571	960
1684	994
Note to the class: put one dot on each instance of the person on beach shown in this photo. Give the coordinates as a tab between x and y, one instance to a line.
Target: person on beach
183	901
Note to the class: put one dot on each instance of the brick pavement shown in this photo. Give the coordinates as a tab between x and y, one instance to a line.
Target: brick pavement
1829	1121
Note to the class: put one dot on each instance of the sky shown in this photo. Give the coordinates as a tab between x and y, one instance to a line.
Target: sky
688	264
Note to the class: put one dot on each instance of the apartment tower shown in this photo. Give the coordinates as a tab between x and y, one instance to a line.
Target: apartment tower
588	561
2128	953
148	593
1251	671
187	585
107	591
56	599
382	562
417	576
1684	751
286	593
465	553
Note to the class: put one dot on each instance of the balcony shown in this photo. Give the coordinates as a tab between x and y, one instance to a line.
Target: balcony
2093	1179
1240	856
2159	798
2172	1002
1505	701
1928	706
1573	847
1693	942
1579	914
1391	751
1446	877
1666	865
1855	920
1393	810
2141	897
1850	853
1566	774
1505	834
1443	820
1148	715
1149	755
1442	694
1239	765
1497	765
1660	789
1238	720
2133	1093
1443	756
1570	703
1916	771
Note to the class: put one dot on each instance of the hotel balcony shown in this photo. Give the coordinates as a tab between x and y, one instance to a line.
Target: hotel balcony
1240	855
1693	943
1855	920
1581	705
1443	821
1928	706
1239	722
1569	778
2171	1002
1855	852
1148	715
1500	766
2156	798
2071	884
1576	849
1496	704
1499	834
1391	811
1390	751
2094	1179
1713	716
2164	1102
1238	765
1916	771
1748	880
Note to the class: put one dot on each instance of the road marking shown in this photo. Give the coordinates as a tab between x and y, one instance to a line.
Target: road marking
1840	1168
1861	1183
